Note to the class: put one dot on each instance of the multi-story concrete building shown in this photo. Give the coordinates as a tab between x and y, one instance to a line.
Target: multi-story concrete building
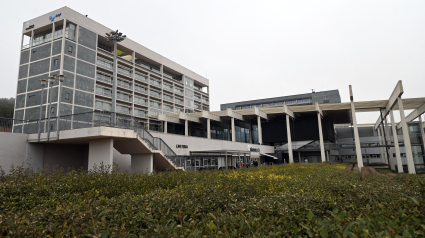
69	43
323	97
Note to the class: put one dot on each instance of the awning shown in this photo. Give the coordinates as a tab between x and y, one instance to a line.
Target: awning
269	155
295	145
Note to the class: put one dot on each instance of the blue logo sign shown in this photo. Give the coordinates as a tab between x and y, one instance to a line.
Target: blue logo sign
52	17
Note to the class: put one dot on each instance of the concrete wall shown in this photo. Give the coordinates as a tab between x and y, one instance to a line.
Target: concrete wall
12	149
123	161
202	144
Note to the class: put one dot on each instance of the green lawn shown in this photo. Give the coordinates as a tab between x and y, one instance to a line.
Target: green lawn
297	200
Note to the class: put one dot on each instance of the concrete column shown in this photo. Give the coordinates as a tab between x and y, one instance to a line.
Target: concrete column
390	151
288	134
299	156
328	158
260	132
396	146
421	126
233	129
356	137
407	145
384	152
165	127
322	146
142	163
250	133
209	128
380	143
228	133
186	128
101	151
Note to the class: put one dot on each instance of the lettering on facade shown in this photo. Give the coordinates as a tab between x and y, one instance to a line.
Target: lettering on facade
30	27
52	17
182	146
254	149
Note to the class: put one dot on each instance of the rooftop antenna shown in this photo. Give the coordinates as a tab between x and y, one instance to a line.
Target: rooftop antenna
312	91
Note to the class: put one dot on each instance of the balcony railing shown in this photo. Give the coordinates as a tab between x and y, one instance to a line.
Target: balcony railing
104	91
141	77
140	89
178	100
177	110
104	63
124	71
155	105
124	97
124	84
204	100
178	91
140	113
197	98
167	87
155	82
167	97
155	94
140	101
104	78
27	46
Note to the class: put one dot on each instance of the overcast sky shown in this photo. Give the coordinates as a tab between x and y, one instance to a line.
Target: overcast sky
259	49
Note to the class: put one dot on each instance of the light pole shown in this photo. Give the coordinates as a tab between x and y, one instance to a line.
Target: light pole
51	81
61	78
114	36
43	83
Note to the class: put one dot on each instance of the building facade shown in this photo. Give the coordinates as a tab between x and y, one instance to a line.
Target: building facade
69	43
331	96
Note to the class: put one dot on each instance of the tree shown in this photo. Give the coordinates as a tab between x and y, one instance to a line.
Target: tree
6	107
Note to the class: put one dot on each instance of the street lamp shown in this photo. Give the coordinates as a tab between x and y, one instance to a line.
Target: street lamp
61	79
51	81
114	36
43	84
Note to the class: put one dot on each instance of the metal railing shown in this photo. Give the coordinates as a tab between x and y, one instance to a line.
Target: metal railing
86	120
6	124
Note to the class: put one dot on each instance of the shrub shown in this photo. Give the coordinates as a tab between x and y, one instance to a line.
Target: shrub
296	200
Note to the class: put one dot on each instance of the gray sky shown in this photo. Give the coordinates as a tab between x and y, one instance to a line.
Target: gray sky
259	49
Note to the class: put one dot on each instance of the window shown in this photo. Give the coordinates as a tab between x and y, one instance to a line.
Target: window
69	49
67	96
55	62
325	99
31	96
52	110
34	51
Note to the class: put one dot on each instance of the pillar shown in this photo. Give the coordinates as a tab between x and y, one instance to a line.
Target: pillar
142	163
233	129
356	137
390	151
165	127
186	127
407	145
322	146
299	156
396	146
209	128
250	133
101	151
328	158
421	126
380	143
288	134
260	132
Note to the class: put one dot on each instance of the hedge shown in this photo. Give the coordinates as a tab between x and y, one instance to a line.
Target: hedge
297	200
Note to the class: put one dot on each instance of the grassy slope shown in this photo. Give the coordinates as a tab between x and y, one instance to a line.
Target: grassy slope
273	201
